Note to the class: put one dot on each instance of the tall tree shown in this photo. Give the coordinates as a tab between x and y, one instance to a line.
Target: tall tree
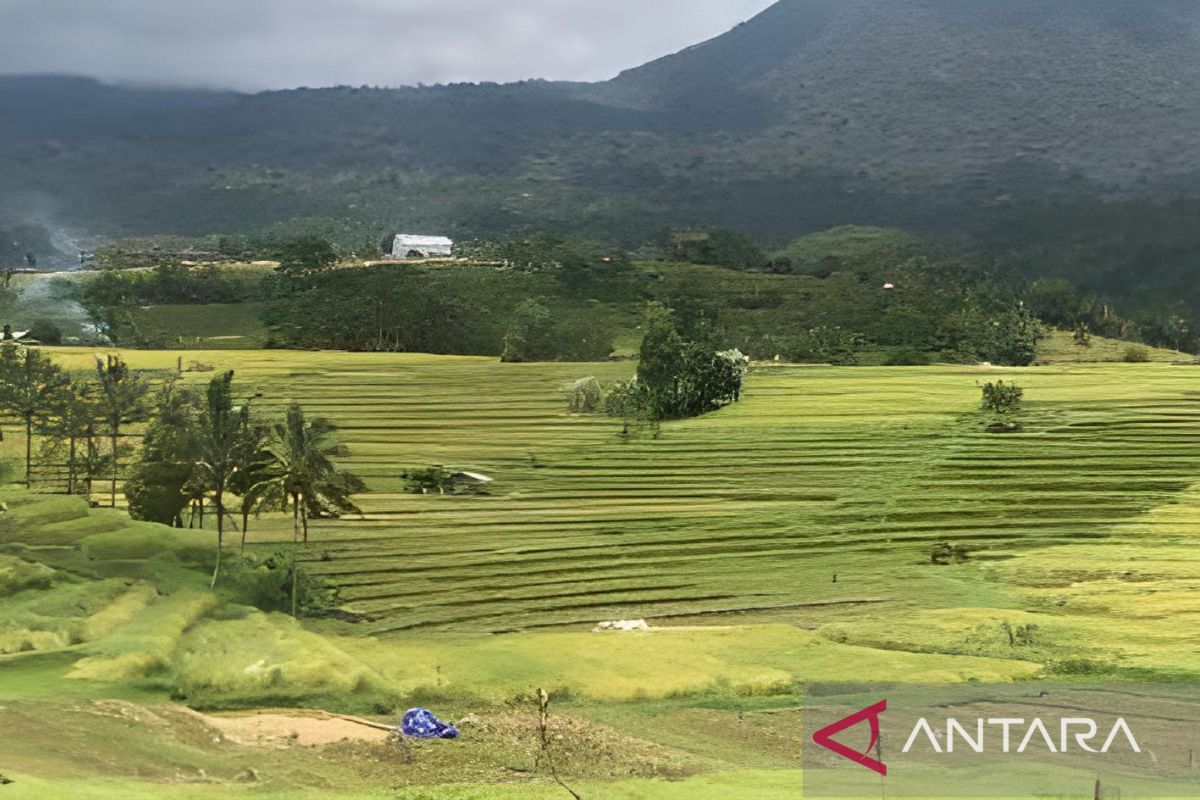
225	431
123	400
30	382
93	461
73	415
160	485
253	474
681	378
304	472
662	361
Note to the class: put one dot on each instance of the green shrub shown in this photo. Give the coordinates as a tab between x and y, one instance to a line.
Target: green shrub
585	396
1136	354
725	248
1078	666
678	378
266	583
1002	398
17	575
426	480
46	332
139	541
907	357
826	345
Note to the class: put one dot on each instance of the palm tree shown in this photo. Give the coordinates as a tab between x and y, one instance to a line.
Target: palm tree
225	434
123	400
30	382
252	479
303	471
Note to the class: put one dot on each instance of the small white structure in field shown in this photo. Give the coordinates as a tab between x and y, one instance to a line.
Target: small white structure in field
407	245
887	287
623	625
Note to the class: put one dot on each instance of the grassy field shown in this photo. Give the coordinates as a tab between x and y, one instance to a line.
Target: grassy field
772	544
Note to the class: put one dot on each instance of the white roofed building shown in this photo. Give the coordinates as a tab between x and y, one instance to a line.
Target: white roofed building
407	245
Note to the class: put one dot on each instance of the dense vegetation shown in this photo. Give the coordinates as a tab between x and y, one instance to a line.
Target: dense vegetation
826	117
199	448
450	310
826	298
676	377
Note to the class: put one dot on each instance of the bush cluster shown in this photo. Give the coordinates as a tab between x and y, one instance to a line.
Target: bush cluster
1002	398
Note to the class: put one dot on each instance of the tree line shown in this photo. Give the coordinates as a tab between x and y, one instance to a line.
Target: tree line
544	298
200	447
823	298
83	414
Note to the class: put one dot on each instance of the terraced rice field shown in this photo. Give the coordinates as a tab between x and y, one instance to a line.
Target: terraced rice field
817	500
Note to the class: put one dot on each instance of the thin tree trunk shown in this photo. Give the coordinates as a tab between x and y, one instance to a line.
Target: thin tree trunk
245	526
71	469
220	534
28	452
91	451
116	431
304	520
295	518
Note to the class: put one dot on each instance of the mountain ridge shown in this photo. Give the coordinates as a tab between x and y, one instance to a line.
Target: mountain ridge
959	118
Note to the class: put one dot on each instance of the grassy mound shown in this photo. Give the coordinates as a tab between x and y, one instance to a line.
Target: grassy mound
147	642
16	575
53	617
268	659
1060	347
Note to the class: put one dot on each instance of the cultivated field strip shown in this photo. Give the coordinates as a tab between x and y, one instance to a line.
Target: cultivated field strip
855	472
824	488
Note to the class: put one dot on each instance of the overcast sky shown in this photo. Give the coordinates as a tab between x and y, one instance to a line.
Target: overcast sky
266	44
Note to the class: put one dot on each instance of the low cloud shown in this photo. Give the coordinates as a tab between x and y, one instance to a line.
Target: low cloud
265	44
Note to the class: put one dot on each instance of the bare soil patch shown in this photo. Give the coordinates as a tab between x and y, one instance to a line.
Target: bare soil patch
295	728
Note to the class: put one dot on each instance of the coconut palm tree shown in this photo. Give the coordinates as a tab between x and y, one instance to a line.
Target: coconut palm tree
226	433
253	480
303	472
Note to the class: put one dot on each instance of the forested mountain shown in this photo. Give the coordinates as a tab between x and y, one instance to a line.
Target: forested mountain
1058	133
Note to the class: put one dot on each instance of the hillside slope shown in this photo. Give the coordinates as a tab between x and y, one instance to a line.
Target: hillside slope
950	91
1065	128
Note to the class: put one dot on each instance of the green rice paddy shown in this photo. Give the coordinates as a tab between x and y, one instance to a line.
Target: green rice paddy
817	500
787	539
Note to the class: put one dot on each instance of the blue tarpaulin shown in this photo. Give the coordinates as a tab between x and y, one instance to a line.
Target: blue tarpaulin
420	723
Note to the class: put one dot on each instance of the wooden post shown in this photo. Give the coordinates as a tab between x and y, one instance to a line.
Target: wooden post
1099	795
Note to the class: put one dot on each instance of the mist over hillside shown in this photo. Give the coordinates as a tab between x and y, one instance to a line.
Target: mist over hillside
1060	132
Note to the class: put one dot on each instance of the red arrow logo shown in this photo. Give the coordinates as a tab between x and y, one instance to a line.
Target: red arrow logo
824	737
